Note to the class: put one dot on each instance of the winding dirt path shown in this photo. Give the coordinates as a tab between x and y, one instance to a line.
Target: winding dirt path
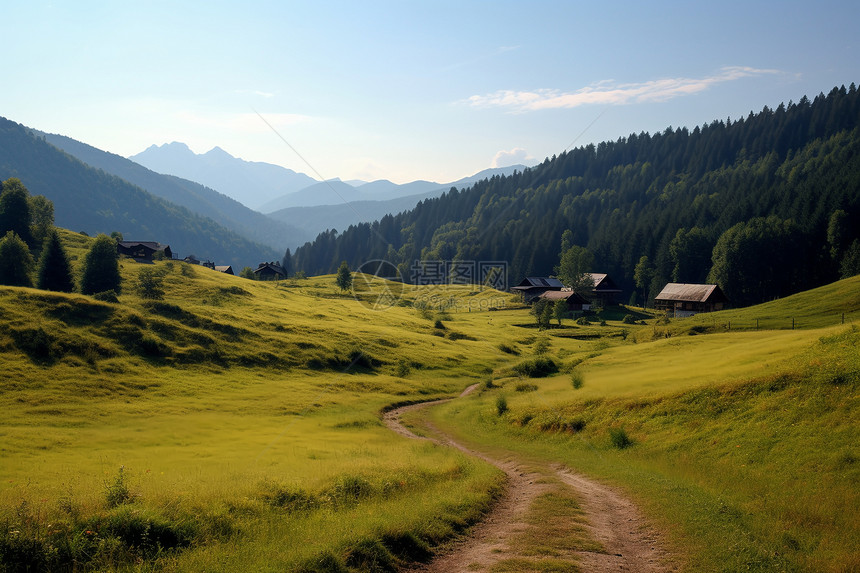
629	542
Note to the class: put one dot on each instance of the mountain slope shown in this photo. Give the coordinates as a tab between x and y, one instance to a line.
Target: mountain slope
194	196
367	202
319	218
249	182
627	199
91	200
335	192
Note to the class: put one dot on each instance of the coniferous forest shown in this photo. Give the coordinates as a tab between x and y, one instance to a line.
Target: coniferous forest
765	206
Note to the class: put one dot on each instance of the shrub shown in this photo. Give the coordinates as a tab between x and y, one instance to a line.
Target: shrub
525	387
106	296
15	261
619	438
36	343
150	284
372	556
117	491
402	369
629	319
541	346
508	349
583	321
575	426
438	324
501	405
576	380
536	368
488	383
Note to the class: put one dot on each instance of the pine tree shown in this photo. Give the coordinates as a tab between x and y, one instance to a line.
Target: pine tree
287	263
55	272
101	268
344	276
15	261
15	210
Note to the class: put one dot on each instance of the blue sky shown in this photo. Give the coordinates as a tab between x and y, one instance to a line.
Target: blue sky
409	90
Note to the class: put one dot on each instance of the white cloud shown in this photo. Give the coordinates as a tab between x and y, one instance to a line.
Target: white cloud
609	92
515	156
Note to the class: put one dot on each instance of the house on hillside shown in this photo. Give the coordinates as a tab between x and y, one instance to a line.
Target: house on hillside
681	299
532	287
575	302
270	272
142	250
604	290
226	269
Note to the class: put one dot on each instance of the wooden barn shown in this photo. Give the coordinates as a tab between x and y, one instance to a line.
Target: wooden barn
604	290
681	299
575	302
142	250
532	287
226	269
270	272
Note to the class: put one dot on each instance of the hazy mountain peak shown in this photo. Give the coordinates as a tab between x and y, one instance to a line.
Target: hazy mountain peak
250	183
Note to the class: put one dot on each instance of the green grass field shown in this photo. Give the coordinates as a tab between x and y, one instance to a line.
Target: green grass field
235	424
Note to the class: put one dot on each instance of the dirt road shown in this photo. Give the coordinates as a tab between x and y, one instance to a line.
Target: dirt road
628	542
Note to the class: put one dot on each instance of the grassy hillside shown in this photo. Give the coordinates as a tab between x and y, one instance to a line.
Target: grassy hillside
743	445
235	425
236	419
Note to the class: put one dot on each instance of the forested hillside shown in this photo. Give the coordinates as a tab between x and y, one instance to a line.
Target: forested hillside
91	200
765	205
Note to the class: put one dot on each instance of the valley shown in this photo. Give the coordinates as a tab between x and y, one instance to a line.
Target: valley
239	422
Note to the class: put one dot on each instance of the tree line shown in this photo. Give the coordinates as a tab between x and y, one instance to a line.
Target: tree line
29	235
764	205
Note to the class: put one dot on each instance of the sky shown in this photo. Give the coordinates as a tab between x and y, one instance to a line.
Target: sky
409	90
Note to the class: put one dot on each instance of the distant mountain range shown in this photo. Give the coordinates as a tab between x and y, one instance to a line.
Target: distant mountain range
305	206
366	203
89	199
189	194
251	183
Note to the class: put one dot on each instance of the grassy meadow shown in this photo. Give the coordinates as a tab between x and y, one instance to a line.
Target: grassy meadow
742	445
235	425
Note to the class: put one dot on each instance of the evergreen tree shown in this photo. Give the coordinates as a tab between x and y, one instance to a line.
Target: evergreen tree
691	253
287	263
15	210
101	267
344	276
55	272
851	261
15	261
756	261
